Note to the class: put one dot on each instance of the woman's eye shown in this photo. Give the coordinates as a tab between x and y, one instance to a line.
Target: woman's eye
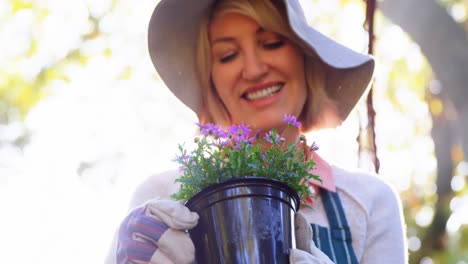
273	44
227	58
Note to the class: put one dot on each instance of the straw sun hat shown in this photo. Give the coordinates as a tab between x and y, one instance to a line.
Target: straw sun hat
172	37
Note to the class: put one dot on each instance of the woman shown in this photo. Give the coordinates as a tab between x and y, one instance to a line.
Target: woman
235	61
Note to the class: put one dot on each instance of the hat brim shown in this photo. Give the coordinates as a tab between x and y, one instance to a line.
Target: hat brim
172	37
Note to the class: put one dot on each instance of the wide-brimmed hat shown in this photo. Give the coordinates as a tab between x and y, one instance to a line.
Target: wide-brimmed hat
172	39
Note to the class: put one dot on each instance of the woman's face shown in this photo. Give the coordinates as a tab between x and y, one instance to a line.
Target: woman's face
259	75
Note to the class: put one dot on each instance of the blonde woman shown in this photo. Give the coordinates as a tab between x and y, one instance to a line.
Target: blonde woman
254	61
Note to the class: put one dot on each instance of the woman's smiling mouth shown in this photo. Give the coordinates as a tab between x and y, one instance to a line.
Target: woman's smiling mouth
262	93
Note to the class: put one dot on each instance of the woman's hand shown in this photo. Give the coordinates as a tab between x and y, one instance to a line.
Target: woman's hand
155	233
306	251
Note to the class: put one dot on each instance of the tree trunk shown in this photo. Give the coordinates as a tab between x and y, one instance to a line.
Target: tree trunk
445	45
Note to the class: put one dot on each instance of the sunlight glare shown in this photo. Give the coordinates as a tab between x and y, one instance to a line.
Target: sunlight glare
98	8
393	43
453	224
458	12
355	37
414	243
15	35
462	168
414	58
455	203
424	216
398	169
5	9
457	183
459	217
426	260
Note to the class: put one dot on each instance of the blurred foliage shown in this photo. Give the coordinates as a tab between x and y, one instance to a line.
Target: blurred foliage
458	9
30	63
420	198
16	92
25	74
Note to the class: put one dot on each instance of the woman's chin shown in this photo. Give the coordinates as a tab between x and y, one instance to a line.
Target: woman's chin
265	125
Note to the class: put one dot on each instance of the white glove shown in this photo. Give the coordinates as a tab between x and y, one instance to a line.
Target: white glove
306	251
155	234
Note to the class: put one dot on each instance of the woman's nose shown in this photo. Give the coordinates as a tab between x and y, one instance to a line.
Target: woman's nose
254	66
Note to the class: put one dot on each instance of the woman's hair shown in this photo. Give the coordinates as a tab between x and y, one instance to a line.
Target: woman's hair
270	15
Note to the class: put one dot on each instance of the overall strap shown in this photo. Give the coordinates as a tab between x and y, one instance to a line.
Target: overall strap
335	241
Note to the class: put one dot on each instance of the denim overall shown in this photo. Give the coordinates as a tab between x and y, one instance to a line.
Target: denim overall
335	241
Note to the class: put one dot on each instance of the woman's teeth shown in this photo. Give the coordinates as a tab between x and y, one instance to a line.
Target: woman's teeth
259	94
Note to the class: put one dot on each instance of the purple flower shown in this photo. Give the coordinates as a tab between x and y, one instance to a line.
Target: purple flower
272	137
258	132
241	130
181	169
210	129
291	120
222	142
184	158
240	133
314	147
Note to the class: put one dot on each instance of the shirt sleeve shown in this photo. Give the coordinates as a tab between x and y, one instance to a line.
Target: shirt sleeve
386	238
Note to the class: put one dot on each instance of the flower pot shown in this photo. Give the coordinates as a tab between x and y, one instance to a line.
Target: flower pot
248	220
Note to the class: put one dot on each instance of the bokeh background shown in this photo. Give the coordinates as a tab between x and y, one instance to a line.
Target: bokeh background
84	118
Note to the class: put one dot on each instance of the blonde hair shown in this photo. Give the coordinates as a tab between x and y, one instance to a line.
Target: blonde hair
271	16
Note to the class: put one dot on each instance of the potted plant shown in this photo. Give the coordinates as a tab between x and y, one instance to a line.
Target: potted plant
246	188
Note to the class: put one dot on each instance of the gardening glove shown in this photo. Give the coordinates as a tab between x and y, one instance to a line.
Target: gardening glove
155	234
306	251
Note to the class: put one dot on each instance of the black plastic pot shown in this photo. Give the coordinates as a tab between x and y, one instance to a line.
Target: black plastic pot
248	220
